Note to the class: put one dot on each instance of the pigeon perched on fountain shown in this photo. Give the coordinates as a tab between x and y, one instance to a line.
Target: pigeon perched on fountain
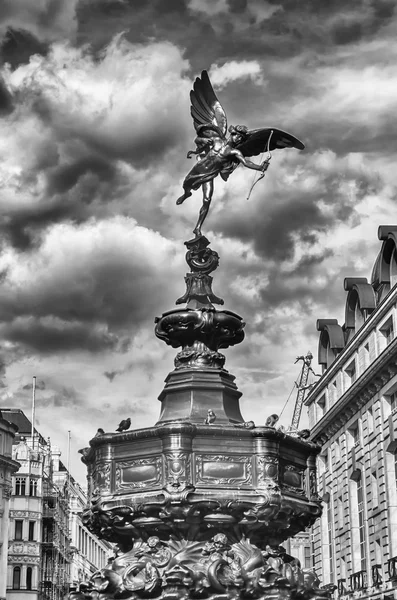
124	425
271	421
210	418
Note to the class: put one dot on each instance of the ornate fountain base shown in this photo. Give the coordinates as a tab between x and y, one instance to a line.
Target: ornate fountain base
217	569
200	511
199	504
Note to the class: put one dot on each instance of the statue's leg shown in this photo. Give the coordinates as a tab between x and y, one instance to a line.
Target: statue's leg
208	189
184	196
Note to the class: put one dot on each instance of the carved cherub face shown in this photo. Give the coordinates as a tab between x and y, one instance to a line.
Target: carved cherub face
153	541
220	540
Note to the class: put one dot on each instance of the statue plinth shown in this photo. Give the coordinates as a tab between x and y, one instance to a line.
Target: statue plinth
199	504
188	500
190	393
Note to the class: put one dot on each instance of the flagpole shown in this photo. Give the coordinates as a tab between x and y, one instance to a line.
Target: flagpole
33	408
68	459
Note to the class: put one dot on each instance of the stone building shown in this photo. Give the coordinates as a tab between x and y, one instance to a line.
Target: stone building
8	466
353	415
88	553
46	555
38	553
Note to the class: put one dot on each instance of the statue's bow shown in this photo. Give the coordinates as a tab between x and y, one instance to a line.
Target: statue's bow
267	162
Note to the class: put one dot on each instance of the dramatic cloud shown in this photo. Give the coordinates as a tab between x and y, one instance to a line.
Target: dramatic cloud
94	131
48	20
87	286
234	70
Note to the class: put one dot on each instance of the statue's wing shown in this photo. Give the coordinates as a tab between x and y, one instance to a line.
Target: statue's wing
257	141
206	109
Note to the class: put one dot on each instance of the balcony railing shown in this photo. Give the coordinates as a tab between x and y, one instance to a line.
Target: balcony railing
392	568
376	572
342	587
358	581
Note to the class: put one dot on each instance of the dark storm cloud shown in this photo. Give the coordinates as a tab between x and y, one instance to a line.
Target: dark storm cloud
61	337
97	299
65	176
6	101
46	20
299	215
18	46
74	160
248	30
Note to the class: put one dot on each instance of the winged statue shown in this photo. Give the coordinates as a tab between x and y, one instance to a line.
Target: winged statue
218	153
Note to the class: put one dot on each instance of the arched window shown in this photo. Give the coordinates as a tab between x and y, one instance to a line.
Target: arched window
29	572
16	578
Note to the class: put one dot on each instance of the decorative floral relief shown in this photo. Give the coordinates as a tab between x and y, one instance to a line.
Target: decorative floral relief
102	477
179	568
267	470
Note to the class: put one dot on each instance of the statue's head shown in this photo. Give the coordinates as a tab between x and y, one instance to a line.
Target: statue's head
238	133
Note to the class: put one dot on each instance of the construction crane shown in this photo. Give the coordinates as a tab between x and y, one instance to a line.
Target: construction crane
302	386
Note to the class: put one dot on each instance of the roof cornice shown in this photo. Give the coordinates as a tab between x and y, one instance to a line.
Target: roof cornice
353	345
9	463
358	394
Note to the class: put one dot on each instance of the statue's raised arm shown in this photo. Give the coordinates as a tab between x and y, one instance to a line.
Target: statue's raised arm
219	153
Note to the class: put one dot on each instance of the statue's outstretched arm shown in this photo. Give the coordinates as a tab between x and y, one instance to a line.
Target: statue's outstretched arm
249	164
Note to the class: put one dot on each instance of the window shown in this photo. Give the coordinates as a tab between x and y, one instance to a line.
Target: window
387	330
330	541
393	401
366	356
31	531
379	555
18	529
29	572
340	512
374	488
307	557
354	434
370	420
361	524
16	578
324	459
33	487
20	486
395	467
351	374
334	392
337	449
321	406
343	567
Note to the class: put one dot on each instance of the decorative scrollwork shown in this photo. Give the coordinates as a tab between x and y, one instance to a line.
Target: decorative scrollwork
180	568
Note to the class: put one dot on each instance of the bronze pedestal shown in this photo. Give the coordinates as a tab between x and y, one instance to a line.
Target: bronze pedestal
200	504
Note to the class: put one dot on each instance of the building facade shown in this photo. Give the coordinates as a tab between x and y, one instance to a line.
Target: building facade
8	466
353	415
88	553
49	548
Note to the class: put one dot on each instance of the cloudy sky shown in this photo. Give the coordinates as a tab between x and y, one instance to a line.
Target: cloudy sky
94	130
